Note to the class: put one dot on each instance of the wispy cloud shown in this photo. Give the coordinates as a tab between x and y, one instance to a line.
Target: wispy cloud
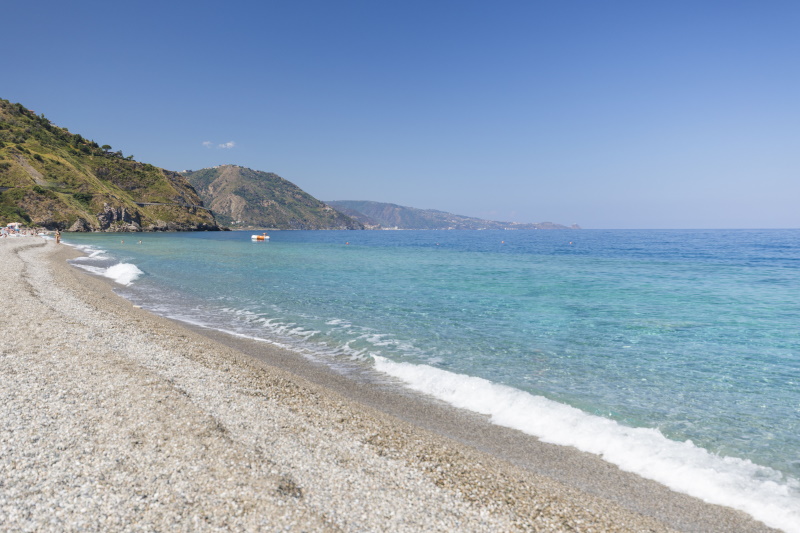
229	144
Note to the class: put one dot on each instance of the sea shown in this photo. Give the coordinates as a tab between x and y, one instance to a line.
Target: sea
672	354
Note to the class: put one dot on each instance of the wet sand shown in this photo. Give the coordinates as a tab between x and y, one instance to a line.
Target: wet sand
112	418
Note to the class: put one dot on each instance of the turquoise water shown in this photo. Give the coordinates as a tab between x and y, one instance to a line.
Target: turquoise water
683	345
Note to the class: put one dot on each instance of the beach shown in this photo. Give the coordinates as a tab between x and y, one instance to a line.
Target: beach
114	419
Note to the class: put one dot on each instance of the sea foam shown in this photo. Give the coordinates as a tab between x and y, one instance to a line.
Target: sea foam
92	253
759	491
122	273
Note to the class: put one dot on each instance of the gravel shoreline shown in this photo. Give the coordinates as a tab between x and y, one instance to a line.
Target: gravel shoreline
113	419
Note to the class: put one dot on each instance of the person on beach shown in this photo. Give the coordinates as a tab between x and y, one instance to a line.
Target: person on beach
58	237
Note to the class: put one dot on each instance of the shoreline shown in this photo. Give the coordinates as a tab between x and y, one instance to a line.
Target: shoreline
323	450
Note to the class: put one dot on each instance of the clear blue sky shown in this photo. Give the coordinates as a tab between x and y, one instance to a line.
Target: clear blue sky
609	114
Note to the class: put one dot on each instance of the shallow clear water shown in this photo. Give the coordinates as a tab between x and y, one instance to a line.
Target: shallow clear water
690	333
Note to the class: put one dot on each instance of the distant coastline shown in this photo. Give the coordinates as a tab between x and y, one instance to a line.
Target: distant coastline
386	216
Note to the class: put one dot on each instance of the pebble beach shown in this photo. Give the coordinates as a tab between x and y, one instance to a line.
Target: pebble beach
114	419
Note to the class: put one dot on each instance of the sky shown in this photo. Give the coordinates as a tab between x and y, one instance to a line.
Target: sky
613	114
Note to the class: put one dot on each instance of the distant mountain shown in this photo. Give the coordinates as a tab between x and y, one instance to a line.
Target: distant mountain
55	179
377	215
250	198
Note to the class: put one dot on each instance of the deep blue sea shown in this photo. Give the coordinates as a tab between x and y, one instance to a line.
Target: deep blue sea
673	354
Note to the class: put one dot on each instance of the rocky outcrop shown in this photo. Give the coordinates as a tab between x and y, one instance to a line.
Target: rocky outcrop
160	225
81	225
118	219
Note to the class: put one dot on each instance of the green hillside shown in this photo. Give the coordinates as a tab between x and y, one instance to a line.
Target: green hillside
242	197
55	179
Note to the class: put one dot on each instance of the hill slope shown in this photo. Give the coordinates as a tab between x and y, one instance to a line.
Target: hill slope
52	178
378	214
244	197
